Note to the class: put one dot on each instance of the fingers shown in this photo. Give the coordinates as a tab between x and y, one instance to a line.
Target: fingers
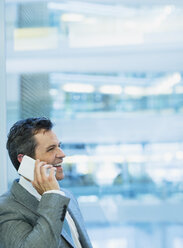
42	180
37	170
52	172
44	170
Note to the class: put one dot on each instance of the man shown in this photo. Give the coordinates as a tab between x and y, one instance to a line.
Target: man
38	214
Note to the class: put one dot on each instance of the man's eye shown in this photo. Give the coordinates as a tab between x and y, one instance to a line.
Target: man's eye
50	149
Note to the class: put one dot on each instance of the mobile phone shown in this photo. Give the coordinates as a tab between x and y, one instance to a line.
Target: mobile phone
26	168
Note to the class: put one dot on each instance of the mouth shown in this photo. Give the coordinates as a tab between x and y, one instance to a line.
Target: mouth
59	174
57	165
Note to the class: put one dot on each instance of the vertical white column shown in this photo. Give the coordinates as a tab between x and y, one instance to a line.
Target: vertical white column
3	152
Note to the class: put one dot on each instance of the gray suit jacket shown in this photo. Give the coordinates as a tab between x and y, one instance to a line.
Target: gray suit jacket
27	223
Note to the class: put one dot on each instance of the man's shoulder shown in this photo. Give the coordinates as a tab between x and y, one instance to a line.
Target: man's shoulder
6	203
4	197
9	197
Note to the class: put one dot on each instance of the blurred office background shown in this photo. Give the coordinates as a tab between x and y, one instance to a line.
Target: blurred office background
109	73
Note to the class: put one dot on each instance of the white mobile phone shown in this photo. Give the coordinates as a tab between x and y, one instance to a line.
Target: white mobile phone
26	168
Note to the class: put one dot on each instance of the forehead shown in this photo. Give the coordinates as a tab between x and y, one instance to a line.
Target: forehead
46	138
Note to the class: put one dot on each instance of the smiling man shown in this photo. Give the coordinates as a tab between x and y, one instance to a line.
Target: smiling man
38	213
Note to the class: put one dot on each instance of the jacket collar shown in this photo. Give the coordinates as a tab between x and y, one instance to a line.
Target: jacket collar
28	186
24	197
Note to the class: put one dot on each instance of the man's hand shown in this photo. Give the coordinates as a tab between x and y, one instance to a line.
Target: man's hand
43	182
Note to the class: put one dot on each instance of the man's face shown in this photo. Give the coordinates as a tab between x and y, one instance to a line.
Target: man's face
48	150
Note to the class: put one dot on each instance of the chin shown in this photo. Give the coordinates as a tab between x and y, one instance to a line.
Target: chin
59	177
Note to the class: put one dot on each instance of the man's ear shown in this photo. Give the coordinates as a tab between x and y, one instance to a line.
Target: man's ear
19	157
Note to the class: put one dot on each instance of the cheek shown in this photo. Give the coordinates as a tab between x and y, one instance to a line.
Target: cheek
41	155
45	157
50	157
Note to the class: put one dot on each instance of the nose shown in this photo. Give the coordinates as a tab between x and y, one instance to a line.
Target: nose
60	153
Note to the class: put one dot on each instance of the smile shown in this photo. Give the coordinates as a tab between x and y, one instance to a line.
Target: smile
57	165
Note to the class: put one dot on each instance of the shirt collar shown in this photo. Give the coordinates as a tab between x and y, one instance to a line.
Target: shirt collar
28	186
